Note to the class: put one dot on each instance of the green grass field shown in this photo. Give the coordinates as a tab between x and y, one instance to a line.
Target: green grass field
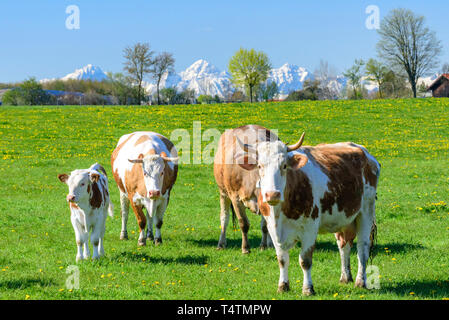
409	137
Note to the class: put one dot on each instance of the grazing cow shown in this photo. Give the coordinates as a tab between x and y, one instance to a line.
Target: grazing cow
321	189
237	186
89	204
145	168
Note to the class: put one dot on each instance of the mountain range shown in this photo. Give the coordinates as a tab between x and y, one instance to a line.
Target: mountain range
205	78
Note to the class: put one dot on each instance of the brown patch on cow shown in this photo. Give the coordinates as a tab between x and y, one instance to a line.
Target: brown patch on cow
134	180
138	211
343	166
113	157
281	262
306	258
142	139
63	177
168	144
118	181
73	205
370	177
102	170
96	198
88	188
298	196
346	236
315	213
149	153
264	208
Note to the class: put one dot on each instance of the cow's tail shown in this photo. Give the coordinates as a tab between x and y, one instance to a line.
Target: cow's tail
233	217
111	209
373	240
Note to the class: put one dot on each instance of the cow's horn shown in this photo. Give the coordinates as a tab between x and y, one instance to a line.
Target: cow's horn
246	147
297	145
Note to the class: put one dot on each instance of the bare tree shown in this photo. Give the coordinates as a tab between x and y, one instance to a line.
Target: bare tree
445	68
138	64
325	74
408	44
164	62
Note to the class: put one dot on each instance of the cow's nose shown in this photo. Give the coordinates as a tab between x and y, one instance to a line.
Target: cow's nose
70	198
273	197
154	194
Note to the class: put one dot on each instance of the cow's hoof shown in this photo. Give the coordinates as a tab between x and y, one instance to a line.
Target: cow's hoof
360	283
142	242
123	235
150	237
346	279
158	241
263	247
308	291
220	247
284	287
246	251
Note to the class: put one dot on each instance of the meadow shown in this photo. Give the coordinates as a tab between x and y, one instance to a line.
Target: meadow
410	138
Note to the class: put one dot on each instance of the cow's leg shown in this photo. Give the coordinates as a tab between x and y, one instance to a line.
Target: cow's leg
266	239
78	237
95	239
159	220
305	259
364	223
140	216
150	235
102	232
124	210
243	222
284	261
344	240
225	204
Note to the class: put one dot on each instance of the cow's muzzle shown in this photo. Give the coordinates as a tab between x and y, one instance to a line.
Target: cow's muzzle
273	197
154	194
70	198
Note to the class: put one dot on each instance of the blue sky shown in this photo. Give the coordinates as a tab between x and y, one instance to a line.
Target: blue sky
35	41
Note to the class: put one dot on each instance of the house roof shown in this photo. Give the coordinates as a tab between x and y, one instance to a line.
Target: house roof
437	82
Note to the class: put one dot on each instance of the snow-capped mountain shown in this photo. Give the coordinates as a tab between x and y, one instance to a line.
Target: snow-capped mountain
89	72
201	76
289	78
205	78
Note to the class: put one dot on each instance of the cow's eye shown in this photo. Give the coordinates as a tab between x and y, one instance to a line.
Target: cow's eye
82	184
284	166
162	173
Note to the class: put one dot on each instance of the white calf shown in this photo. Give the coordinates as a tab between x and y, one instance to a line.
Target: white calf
89	204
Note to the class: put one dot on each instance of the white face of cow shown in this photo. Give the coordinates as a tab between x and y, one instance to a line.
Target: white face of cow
273	160
153	167
80	184
272	163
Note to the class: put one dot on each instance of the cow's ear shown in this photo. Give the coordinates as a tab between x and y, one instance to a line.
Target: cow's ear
94	177
138	160
63	177
246	162
297	161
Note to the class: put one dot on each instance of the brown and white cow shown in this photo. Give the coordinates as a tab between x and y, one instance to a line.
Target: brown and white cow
89	205
322	189
145	168
237	186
